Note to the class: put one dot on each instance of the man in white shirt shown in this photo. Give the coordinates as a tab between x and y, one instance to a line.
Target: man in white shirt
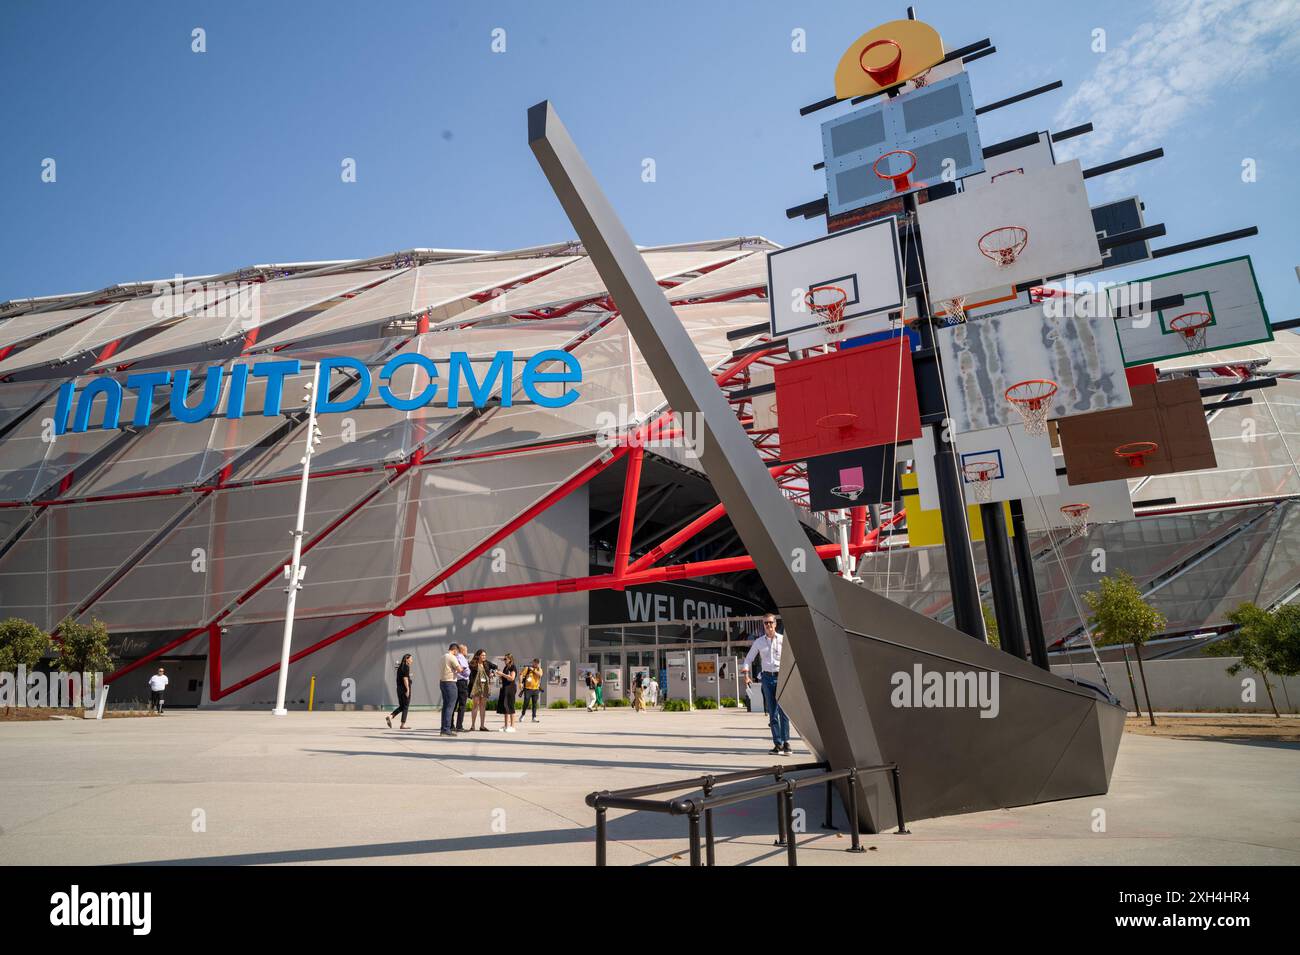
768	649
157	686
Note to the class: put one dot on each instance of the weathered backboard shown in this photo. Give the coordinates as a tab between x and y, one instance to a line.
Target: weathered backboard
1168	413
1050	206
1023	464
1014	163
982	359
865	262
1226	290
1107	502
919	47
855	398
936	123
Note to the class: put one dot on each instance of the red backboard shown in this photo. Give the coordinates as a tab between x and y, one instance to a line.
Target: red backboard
847	399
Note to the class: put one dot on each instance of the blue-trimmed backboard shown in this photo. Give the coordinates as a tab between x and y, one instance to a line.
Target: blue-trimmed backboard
935	122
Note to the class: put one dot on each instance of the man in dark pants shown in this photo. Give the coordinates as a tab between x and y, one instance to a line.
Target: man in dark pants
768	649
447	684
462	686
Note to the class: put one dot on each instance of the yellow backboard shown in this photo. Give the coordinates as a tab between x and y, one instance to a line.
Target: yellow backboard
915	45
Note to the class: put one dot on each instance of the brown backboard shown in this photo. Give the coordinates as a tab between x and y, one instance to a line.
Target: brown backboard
1168	412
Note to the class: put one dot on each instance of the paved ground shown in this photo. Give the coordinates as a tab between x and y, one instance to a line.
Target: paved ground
341	788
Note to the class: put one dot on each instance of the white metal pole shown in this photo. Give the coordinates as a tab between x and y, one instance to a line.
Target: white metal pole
293	572
846	564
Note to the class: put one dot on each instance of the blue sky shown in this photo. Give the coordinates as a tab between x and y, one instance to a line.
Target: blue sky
174	161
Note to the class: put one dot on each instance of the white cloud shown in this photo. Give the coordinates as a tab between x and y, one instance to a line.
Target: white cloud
1171	69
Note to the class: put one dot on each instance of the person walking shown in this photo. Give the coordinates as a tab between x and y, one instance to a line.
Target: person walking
157	687
591	690
447	684
462	686
768	648
403	692
480	679
600	689
506	698
652	691
638	693
532	681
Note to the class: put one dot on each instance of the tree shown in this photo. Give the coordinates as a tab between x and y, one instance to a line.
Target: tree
22	643
1120	616
991	626
1268	641
84	647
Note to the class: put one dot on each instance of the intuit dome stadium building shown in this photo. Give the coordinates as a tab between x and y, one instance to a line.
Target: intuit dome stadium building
152	438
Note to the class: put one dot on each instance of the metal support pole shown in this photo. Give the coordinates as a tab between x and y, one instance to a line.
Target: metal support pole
956	542
694	836
709	859
294	570
830	809
780	812
1028	588
898	803
854	824
1002	579
791	847
602	834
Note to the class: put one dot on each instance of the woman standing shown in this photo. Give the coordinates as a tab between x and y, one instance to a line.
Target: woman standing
506	698
480	676
403	691
638	689
600	689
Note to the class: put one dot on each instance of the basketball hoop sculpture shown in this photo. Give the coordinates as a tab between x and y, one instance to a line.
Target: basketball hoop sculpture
901	181
979	474
1018	171
1004	245
1032	399
1192	326
831	309
1135	452
1076	516
955	310
850	492
886	74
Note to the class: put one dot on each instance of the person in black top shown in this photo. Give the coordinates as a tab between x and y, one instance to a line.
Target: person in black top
506	698
403	691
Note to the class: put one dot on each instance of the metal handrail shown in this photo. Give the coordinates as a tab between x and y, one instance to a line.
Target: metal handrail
781	787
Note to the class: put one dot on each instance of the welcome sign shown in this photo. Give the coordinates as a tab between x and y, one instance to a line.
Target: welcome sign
463	387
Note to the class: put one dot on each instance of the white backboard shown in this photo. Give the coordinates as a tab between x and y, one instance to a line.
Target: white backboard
1226	290
865	262
1023	464
1050	205
1080	352
1016	162
940	71
819	335
1107	501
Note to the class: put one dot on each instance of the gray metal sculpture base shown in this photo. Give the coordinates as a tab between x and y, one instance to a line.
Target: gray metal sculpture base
1050	739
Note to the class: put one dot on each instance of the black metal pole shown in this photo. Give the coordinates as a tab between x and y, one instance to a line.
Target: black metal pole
1001	578
694	835
791	847
600	835
830	810
708	824
898	803
1028	588
956	543
780	812
854	824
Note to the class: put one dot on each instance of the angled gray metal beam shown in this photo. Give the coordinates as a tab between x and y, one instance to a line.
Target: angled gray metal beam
760	513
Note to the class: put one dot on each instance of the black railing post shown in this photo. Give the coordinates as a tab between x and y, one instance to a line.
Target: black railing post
709	859
780	812
853	813
830	809
694	819
898	803
791	844
601	834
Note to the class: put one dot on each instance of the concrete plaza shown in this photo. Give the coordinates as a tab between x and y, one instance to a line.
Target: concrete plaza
244	787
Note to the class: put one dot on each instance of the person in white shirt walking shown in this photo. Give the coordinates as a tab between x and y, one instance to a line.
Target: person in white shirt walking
768	649
157	687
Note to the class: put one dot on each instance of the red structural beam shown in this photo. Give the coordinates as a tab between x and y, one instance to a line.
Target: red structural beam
627	517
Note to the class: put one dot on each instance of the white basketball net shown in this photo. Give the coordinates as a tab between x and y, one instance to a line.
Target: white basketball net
979	475
849	492
955	310
1076	516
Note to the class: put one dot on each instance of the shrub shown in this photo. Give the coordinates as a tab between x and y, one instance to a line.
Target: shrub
676	706
730	701
705	703
22	643
617	701
559	705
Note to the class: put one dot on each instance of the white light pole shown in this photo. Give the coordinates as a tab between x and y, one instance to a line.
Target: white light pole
293	572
